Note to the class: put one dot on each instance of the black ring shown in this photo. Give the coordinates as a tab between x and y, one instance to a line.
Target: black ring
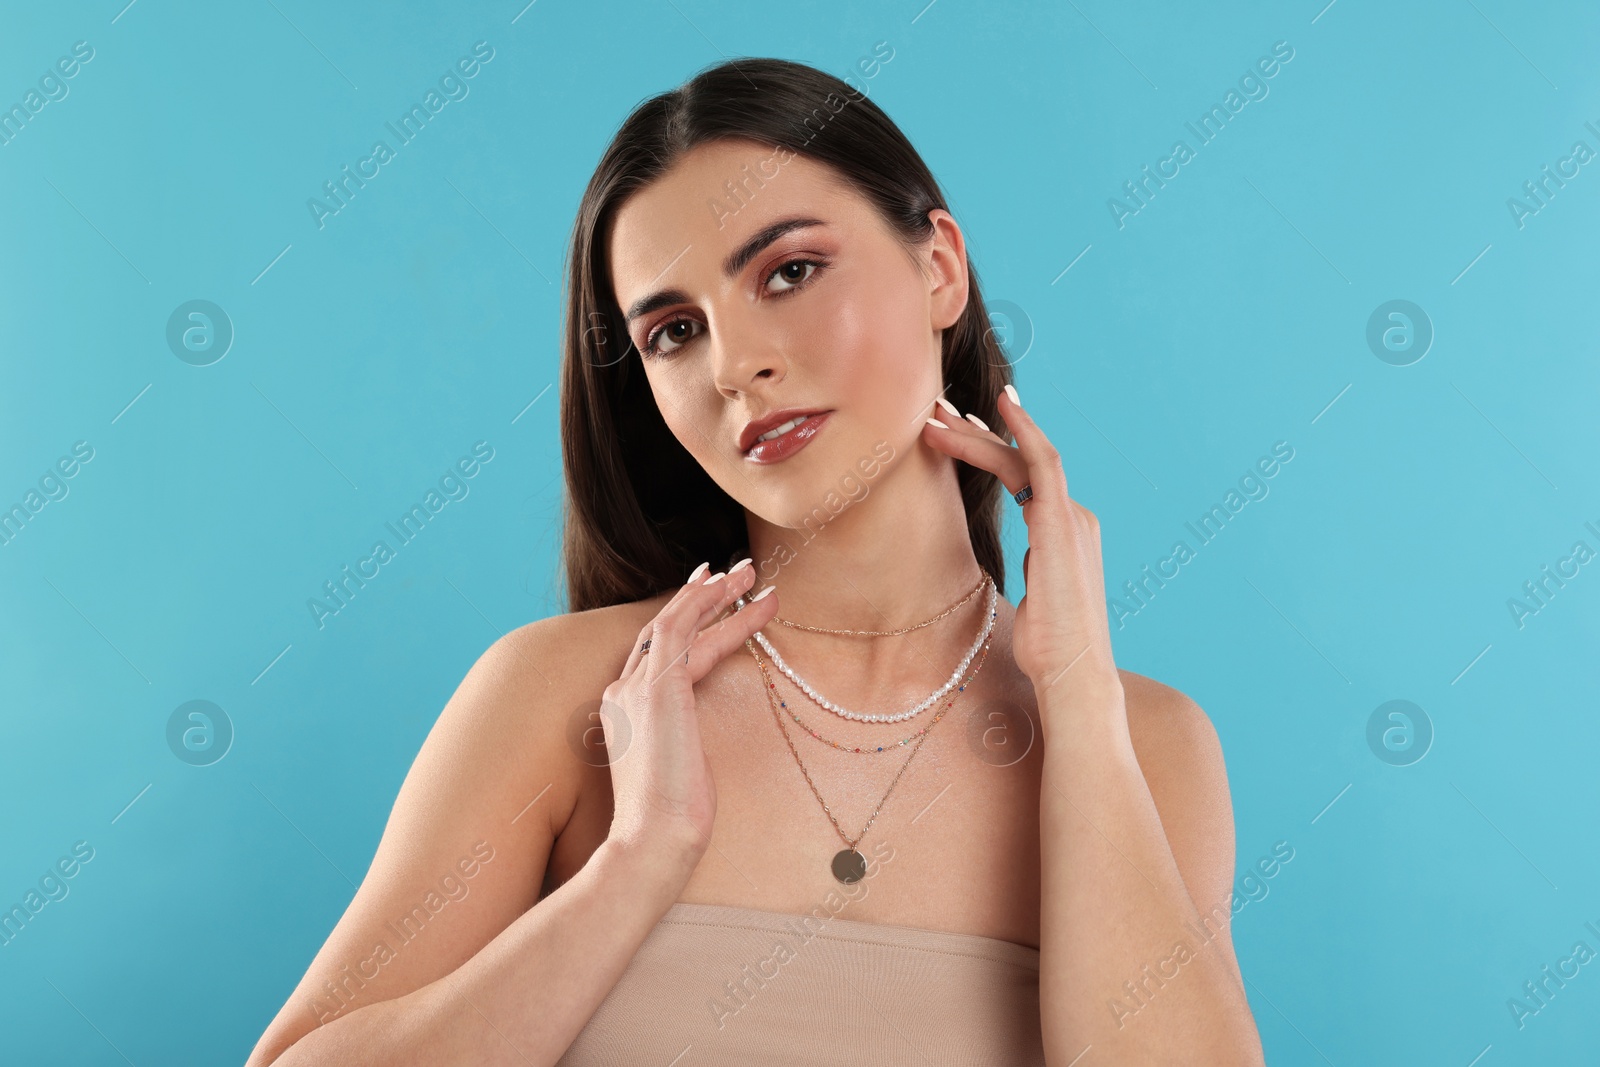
645	648
1023	495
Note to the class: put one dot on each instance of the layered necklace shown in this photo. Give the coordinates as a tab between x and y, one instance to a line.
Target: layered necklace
955	676
848	865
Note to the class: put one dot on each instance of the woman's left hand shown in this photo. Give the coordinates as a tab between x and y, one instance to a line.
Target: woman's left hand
1060	634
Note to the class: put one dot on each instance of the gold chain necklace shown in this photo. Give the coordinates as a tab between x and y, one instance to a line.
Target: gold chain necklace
849	866
889	633
898	716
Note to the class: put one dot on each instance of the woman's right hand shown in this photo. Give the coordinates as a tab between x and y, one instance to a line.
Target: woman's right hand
661	786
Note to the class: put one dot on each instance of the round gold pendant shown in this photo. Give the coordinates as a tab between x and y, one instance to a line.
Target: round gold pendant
849	866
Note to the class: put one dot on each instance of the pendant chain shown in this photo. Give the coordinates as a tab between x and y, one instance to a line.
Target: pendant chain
773	701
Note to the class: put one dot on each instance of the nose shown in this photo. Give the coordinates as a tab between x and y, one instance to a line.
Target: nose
744	356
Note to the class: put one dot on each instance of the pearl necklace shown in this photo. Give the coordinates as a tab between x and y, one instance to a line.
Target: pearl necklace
955	677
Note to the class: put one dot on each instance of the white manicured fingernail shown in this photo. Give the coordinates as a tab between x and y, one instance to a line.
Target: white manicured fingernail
698	571
936	422
763	593
717	577
1011	391
741	565
979	423
951	408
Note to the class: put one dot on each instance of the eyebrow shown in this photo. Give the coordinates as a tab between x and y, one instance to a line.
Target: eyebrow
731	266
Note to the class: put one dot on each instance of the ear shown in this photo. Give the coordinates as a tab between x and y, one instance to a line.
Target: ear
947	269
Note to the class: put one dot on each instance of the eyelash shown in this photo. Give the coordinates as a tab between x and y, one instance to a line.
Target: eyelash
650	349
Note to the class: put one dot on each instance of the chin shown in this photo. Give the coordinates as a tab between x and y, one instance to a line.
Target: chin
811	489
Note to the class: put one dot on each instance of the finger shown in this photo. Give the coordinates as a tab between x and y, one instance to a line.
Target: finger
715	642
709	645
952	418
983	427
636	655
980	448
738	581
948	417
740	577
1044	468
677	623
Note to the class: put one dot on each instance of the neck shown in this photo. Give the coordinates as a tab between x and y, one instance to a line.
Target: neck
893	558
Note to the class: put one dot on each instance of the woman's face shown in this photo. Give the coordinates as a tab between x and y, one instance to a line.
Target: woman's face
736	321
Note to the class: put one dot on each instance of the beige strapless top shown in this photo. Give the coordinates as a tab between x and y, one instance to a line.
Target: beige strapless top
714	984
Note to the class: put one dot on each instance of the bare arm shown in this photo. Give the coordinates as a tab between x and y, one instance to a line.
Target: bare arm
442	955
524	997
1136	831
1137	850
491	976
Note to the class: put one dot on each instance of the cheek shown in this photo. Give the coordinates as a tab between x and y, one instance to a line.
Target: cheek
870	339
688	406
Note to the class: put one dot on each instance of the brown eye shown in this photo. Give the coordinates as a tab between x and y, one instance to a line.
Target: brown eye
796	272
666	338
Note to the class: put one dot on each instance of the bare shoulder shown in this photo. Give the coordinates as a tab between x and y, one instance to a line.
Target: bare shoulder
566	653
470	834
547	672
1181	756
1166	724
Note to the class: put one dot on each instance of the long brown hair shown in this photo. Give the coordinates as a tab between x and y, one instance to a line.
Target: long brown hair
639	511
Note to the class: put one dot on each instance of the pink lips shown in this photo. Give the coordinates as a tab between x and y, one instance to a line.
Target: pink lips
781	448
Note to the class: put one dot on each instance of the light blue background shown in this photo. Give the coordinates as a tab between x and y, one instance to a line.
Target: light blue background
1230	313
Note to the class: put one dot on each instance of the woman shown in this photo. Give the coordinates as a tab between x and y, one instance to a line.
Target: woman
782	854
